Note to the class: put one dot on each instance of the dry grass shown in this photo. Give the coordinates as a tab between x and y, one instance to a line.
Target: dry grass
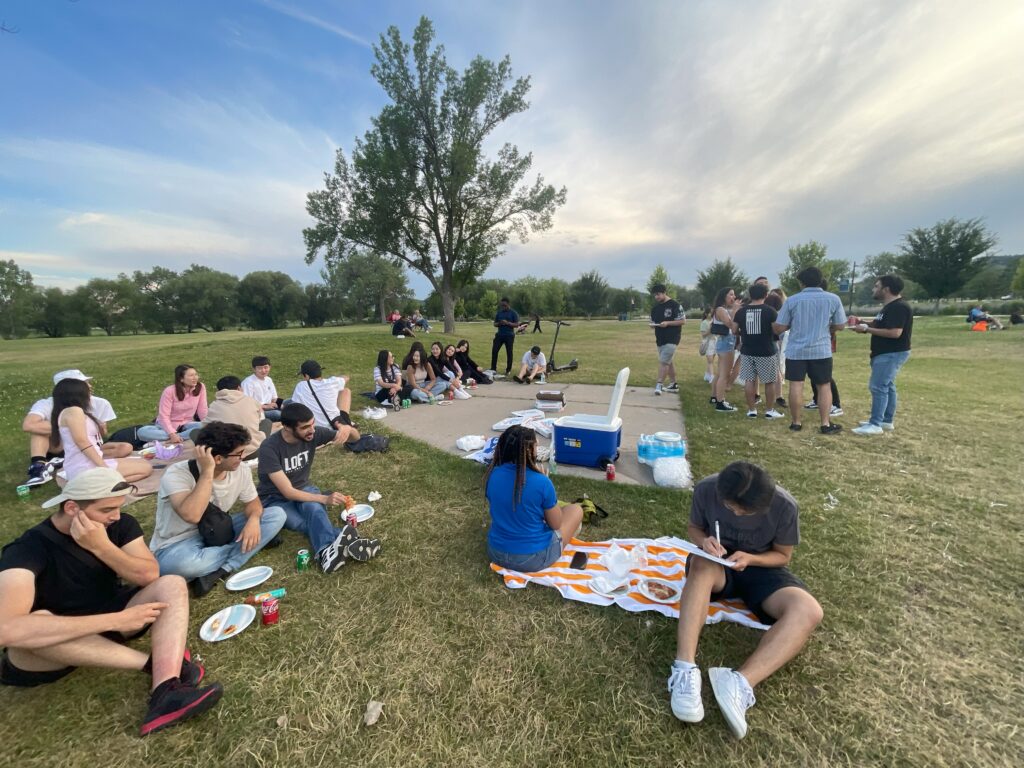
918	568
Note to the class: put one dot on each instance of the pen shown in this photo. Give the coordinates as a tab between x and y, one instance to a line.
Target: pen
718	534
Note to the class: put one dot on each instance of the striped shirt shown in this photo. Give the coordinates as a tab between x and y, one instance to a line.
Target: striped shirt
809	315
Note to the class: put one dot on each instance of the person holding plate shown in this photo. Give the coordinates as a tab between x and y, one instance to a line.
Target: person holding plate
758	524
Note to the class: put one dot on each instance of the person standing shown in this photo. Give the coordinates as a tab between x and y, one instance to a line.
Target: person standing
890	349
810	316
758	355
667	320
506	321
759	525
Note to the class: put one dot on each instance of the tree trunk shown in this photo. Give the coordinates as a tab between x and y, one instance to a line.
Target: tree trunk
383	312
448	303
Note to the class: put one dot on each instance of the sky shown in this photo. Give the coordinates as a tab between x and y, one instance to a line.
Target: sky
138	134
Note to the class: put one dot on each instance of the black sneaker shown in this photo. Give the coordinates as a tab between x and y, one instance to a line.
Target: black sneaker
712	400
780	402
174	701
396	402
831	429
795	427
362	550
331	557
39	473
274	543
517	380
192	672
673	387
202	585
724	406
757	399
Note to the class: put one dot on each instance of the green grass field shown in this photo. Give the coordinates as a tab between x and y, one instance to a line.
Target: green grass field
918	567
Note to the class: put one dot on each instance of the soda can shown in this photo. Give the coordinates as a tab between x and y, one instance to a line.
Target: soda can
350	518
406	403
270	611
302	560
609	471
23	491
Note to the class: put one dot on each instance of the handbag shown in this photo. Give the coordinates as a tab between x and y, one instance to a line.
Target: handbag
719	329
370	444
216	527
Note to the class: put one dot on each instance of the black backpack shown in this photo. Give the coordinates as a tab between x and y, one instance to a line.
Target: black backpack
128	435
215	526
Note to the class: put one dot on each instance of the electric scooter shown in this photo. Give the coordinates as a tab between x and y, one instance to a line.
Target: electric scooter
572	365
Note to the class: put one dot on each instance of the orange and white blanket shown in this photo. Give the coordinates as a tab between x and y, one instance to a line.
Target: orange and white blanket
666	559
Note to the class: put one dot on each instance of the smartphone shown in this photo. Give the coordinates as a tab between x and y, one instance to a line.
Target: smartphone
579	561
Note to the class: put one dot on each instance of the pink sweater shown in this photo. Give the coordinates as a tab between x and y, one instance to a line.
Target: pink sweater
171	413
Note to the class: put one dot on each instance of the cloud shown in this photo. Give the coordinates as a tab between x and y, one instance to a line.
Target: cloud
316	21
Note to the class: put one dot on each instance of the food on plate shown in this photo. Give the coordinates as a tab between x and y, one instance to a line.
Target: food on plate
228	630
215	626
661	591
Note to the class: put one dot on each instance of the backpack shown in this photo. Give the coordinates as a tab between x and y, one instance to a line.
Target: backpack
215	526
128	435
370	444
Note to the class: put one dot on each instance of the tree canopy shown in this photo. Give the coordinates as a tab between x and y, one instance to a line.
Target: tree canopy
943	257
721	274
812	254
419	188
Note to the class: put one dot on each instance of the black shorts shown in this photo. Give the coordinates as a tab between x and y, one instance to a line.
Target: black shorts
12	675
753	585
819	370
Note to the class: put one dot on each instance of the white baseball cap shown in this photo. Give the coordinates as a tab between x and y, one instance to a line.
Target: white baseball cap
71	373
96	483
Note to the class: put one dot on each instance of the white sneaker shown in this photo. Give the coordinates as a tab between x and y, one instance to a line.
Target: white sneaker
657	389
734	696
684	685
709	378
836	411
752	413
887	426
773	414
867	429
811	406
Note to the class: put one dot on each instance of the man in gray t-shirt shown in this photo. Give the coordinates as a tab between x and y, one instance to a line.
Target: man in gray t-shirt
758	524
285	463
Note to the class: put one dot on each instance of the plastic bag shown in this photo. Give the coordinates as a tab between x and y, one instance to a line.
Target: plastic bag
673	472
470	442
374	414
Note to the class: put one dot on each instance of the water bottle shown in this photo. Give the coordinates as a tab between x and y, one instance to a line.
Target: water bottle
552	464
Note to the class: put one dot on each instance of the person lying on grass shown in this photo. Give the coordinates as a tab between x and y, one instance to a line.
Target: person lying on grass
528	529
759	528
80	584
285	463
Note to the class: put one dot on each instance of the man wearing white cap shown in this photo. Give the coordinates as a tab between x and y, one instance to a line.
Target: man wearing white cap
77	586
44	462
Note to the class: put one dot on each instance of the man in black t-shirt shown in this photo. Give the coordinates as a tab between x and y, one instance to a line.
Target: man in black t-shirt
759	357
890	348
666	320
285	463
63	604
759	528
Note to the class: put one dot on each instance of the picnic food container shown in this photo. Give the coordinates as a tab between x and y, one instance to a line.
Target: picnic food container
584	440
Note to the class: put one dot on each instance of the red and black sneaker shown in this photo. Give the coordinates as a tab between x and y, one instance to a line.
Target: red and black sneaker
192	672
173	701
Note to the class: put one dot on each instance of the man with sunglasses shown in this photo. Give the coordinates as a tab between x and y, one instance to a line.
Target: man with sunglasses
77	586
188	489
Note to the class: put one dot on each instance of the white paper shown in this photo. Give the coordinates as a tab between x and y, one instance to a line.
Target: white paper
693	549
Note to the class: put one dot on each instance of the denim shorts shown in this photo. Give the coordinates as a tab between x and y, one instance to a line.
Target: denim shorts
534	561
725	344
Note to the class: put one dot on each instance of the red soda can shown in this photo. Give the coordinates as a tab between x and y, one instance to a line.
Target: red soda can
609	471
269	610
350	518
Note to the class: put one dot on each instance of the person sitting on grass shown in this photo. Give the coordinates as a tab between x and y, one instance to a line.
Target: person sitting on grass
187	489
73	427
529	529
533	365
758	521
387	381
80	584
232	406
286	460
44	457
419	376
402	328
181	408
446	369
470	370
260	387
329	399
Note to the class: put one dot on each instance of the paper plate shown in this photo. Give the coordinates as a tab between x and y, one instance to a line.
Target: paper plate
609	588
234	617
362	512
249	578
645	590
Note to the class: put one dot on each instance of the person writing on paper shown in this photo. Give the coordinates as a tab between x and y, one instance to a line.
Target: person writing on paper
759	528
529	529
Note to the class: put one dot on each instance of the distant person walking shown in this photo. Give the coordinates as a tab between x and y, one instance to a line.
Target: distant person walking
810	316
506	321
890	348
667	320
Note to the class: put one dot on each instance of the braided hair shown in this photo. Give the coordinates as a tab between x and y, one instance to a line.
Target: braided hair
517	445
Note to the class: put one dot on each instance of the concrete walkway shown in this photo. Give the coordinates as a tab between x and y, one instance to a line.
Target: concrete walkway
642	412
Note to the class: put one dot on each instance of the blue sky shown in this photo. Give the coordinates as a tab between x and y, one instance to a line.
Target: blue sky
135	134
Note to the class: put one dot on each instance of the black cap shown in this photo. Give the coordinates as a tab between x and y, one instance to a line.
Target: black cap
312	369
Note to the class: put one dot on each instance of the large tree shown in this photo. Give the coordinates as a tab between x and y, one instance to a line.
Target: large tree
812	254
16	297
207	298
720	274
658	277
367	284
419	188
269	299
590	293
942	258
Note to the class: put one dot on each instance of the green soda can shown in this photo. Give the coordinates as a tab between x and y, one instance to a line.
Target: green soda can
406	403
23	491
302	560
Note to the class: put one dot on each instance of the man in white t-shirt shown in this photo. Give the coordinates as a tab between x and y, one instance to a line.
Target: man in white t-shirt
329	400
183	498
44	460
260	387
533	365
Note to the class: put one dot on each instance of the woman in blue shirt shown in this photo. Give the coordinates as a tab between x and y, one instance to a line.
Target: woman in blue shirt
528	527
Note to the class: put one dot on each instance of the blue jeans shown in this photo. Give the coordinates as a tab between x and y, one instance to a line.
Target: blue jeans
191	559
149	432
274	415
882	385
440	385
308	517
534	561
